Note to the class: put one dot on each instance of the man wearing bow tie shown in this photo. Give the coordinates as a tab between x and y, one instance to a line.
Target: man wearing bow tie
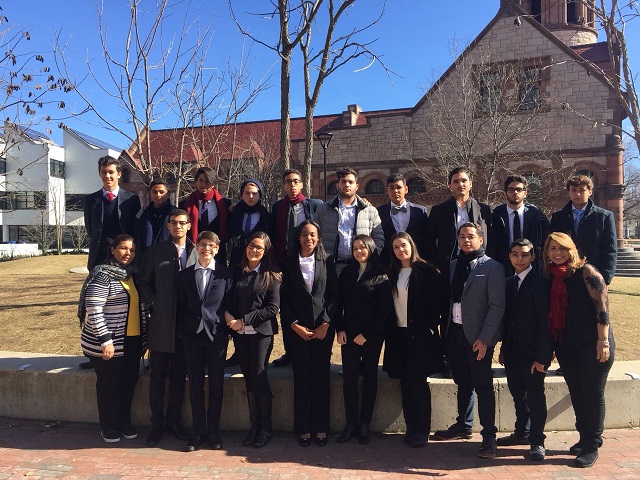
399	215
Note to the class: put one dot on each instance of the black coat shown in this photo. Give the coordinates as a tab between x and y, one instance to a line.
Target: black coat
309	309
526	321
278	231
596	238
366	303
417	228
535	228
261	313
237	238
424	348
159	274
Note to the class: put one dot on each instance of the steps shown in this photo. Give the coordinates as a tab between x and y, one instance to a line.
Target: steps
628	264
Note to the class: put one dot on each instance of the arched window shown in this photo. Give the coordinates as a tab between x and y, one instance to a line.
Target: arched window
374	187
417	185
332	188
587	173
534	188
125	175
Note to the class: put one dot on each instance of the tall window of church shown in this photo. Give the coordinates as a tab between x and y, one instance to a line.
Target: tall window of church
587	173
374	187
572	16
125	175
536	10
332	188
534	188
490	92
529	88
417	185
590	14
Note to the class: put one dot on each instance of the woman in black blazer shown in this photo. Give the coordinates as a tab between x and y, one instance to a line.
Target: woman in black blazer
366	304
412	346
310	298
253	303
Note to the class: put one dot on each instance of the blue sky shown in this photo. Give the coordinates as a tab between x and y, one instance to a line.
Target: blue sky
413	41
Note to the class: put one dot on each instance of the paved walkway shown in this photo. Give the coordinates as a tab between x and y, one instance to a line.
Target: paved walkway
32	449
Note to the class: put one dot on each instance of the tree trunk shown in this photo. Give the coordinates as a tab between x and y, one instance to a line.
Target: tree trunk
308	153
285	111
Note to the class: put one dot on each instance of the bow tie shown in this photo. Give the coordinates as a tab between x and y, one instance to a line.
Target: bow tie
395	210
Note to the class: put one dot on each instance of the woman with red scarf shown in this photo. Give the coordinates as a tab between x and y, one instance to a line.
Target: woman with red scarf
207	210
583	339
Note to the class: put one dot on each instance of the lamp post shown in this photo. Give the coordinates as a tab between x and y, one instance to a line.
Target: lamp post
325	140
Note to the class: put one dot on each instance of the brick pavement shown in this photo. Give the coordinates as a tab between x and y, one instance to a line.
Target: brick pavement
33	449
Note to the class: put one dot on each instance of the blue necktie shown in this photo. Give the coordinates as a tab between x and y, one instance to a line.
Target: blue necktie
577	216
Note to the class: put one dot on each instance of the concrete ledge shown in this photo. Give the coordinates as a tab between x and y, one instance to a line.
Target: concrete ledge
52	387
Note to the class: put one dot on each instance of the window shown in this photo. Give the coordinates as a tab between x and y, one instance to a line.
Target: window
529	88
24	201
56	168
490	92
374	187
74	202
534	188
3	165
332	188
416	185
126	174
18	234
536	10
571	12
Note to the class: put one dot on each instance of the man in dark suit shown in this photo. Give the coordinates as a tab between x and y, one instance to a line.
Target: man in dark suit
160	267
286	214
517	219
109	211
201	306
399	215
153	223
526	348
592	228
476	310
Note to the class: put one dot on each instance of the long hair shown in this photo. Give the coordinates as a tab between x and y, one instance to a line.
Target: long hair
565	241
374	259
269	270
319	251
395	265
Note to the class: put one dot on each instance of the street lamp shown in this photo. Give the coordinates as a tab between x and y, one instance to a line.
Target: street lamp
325	140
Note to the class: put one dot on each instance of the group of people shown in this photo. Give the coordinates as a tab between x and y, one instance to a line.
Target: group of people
439	290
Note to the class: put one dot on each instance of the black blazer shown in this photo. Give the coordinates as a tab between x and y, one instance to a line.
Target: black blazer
190	306
309	309
261	314
278	231
366	303
536	228
596	238
417	228
526	322
426	285
128	209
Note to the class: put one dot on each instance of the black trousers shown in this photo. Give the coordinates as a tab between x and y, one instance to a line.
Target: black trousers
586	378
311	383
115	383
353	356
253	353
529	399
416	394
470	375
167	365
287	337
199	352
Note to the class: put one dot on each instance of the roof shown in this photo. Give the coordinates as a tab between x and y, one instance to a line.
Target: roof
593	52
90	141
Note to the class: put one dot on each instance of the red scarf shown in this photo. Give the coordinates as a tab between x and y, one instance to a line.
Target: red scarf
558	310
281	223
192	207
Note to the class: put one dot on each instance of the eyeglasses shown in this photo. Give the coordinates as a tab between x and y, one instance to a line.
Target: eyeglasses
175	223
295	181
516	190
257	248
210	246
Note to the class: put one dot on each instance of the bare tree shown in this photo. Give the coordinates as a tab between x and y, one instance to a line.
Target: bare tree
77	237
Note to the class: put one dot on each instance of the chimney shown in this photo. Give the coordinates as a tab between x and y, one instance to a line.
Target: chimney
350	116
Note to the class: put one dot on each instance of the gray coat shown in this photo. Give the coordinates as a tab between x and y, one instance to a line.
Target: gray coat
367	223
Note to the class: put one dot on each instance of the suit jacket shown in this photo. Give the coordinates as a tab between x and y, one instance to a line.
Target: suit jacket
535	228
190	307
423	342
416	228
261	314
237	238
309	309
483	301
128	209
526	326
159	274
596	237
278	232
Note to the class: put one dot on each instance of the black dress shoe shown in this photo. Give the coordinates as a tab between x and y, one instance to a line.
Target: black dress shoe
215	442
346	434
487	448
283	361
155	435
586	459
513	439
194	443
322	441
179	432
304	442
419	441
363	438
576	449
85	365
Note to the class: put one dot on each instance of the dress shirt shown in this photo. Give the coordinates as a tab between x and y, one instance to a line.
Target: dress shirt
182	255
462	216
523	275
456	311
298	212
115	191
401	298
346	227
510	215
577	217
254	218
203	275
212	209
308	269
400	219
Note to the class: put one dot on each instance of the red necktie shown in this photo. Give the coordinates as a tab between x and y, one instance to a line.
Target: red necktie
110	196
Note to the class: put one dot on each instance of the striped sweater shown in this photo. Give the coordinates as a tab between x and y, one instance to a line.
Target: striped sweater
107	304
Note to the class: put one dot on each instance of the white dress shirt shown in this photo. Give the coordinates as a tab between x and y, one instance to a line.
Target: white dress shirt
346	228
456	310
520	212
308	269
401	298
212	209
400	220
203	274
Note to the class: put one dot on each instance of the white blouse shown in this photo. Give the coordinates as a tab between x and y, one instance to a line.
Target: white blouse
308	269
401	298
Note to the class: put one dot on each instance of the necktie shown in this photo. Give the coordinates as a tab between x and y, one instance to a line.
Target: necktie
110	196
203	283
395	210
517	230
516	281
247	226
204	213
291	229
577	216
